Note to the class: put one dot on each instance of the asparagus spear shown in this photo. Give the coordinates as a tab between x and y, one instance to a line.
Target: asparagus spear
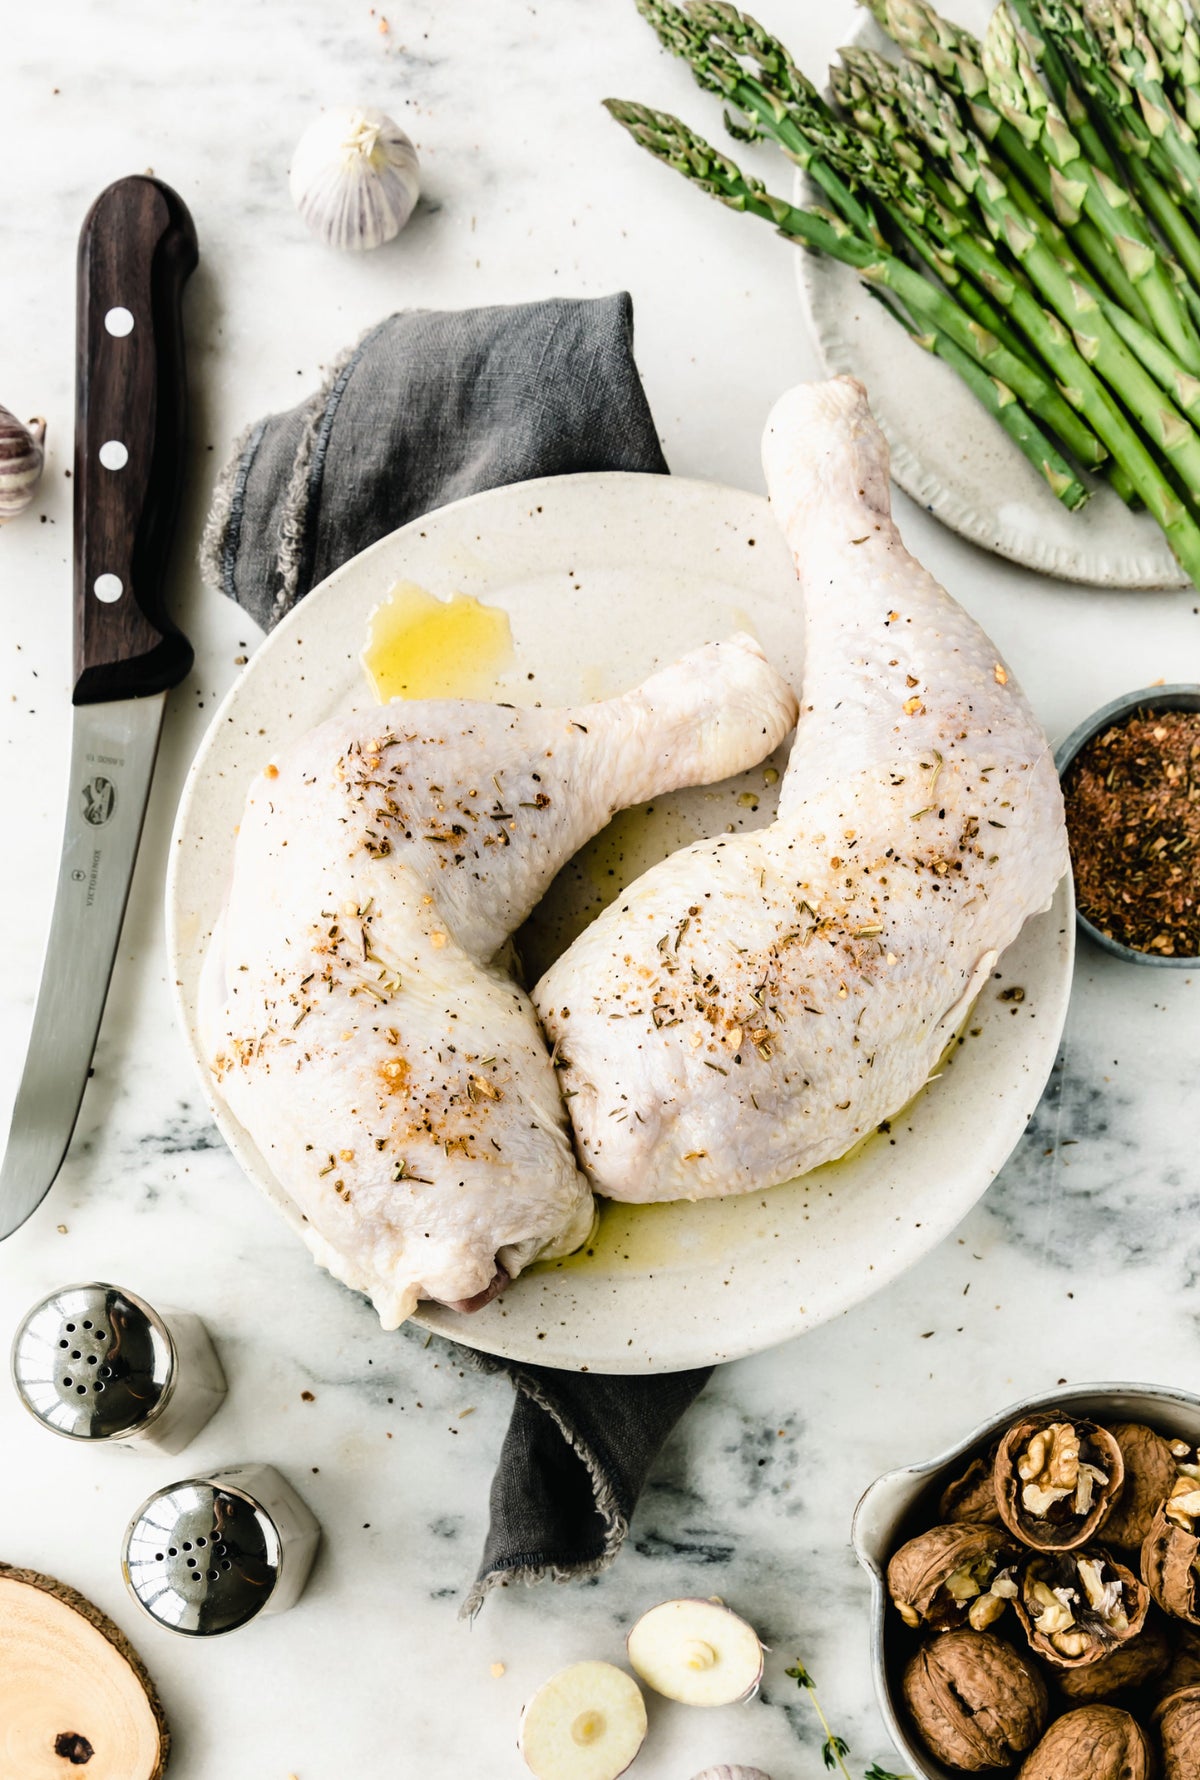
718	72
1002	405
1058	78
956	58
1155	199
924	208
936	120
711	36
1132	56
865	84
1070	40
923	203
1165	370
716	40
1015	89
670	140
1000	402
1177	44
903	188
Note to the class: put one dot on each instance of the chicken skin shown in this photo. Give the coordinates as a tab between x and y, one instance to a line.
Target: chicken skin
756	1003
392	1074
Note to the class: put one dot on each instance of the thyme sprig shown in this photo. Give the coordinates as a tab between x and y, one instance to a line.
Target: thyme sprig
835	1749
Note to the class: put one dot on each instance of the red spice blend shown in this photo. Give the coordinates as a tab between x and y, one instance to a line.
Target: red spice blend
1133	819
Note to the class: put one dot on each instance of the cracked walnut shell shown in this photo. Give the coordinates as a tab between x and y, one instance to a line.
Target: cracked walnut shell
1184	1668
975	1701
1151	1470
1171	1554
953	1576
1056	1479
1076	1606
1099	1742
1139	1660
1177	1721
972	1495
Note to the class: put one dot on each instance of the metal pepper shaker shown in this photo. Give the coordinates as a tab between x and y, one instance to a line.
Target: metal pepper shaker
211	1553
95	1362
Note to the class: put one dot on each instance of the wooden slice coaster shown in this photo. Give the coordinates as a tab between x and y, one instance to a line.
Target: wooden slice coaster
74	1696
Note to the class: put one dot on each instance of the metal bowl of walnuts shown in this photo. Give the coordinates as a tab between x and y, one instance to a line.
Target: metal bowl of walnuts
1036	1591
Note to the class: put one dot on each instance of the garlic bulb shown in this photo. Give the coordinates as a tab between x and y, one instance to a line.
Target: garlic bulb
21	457
355	178
723	1771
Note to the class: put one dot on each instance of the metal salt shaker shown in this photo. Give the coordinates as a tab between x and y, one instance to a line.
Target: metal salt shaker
209	1554
95	1362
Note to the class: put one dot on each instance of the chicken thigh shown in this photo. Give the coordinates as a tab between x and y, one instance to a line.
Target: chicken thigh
392	1075
757	1003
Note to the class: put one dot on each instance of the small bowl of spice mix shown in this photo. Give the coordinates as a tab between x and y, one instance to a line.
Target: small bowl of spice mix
1131	785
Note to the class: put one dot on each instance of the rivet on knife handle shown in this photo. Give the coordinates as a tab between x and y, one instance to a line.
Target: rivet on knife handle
136	251
137	248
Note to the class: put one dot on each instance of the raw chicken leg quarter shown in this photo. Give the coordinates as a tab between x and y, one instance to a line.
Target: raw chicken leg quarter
757	1003
393	1076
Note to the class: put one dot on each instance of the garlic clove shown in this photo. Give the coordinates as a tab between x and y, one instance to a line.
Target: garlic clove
723	1771
355	178
697	1652
21	460
585	1723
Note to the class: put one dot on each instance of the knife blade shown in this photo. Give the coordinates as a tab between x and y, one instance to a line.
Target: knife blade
136	251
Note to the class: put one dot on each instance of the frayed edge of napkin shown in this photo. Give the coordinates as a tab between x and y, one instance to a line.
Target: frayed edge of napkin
221	539
616	1525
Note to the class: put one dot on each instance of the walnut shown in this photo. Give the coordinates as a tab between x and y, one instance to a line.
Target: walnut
1171	1553
1056	1480
1177	1720
1184	1668
1076	1606
1151	1469
1100	1742
974	1700
972	1495
953	1576
1132	1664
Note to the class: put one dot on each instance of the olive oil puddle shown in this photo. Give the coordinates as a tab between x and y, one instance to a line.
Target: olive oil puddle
419	646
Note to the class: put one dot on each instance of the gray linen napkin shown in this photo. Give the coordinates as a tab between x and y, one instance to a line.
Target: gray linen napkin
427	408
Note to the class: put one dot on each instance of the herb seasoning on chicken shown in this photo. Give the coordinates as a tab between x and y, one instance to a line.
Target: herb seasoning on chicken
391	1073
785	991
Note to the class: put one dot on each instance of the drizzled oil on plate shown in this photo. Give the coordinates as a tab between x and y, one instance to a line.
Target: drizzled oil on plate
558	592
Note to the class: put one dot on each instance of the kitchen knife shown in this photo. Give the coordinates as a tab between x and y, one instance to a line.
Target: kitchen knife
136	251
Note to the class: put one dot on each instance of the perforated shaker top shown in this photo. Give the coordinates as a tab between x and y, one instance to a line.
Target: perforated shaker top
93	1362
201	1557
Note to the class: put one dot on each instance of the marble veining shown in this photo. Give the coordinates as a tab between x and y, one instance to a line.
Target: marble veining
1080	1263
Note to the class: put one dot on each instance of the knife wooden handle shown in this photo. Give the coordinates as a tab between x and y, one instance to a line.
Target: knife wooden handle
136	251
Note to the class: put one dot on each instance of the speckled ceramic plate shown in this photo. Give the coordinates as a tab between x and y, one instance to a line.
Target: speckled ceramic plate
644	567
946	452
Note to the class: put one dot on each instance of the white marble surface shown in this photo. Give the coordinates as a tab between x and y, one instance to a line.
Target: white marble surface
1082	1260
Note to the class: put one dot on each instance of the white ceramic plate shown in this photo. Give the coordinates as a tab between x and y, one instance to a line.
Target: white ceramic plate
604	577
947	453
